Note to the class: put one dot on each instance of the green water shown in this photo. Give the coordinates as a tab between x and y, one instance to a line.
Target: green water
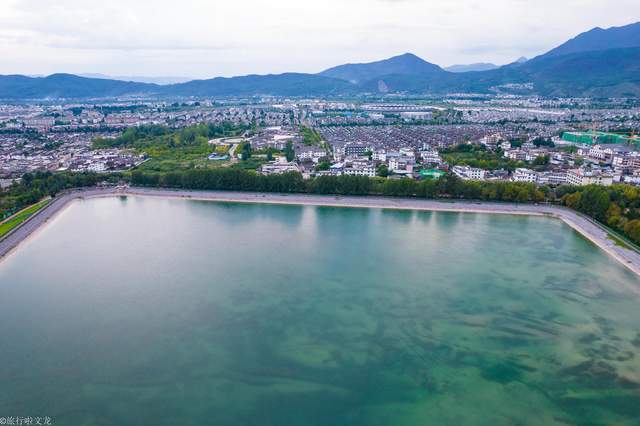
130	311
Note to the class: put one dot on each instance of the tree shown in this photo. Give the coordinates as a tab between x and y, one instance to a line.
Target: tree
632	230
246	151
289	152
269	154
382	170
541	160
595	202
325	165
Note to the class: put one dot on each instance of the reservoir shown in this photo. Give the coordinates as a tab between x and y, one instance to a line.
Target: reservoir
132	311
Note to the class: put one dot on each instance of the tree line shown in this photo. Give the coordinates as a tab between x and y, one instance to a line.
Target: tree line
33	187
449	186
617	206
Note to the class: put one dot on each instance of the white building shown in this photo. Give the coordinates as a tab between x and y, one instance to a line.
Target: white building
408	152
401	164
492	141
516	155
525	175
431	157
97	167
416	115
626	162
379	155
279	166
337	169
552	178
360	170
313	154
581	177
469	173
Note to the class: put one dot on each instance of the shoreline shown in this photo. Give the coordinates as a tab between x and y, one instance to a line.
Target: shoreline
585	227
30	228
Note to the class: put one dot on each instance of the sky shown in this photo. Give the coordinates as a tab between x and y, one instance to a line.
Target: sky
208	38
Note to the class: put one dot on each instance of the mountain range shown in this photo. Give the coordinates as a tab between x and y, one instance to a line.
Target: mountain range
597	63
139	78
479	66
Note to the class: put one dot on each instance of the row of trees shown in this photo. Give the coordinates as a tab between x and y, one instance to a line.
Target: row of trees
35	186
617	206
310	136
244	180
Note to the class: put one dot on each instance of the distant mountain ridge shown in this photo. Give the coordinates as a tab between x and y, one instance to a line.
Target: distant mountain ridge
139	78
624	37
288	84
58	86
407	64
598	63
480	66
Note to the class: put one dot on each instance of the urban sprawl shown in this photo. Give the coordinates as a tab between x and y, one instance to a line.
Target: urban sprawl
521	139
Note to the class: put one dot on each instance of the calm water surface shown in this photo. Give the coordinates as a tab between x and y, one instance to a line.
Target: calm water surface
132	311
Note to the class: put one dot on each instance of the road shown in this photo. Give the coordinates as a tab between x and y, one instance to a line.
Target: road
232	154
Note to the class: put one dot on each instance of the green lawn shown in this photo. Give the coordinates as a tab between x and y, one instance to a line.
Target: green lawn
250	164
20	217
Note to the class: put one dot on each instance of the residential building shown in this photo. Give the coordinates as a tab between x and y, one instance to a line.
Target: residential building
469	173
525	175
581	177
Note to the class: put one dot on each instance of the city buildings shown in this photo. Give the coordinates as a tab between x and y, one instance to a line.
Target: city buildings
525	138
582	177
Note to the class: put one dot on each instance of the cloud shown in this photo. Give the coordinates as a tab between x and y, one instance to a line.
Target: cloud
204	38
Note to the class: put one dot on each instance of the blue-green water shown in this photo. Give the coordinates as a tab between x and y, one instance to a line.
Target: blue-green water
131	311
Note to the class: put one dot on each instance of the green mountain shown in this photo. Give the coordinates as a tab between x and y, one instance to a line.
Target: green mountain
288	84
600	39
407	64
598	73
601	73
58	86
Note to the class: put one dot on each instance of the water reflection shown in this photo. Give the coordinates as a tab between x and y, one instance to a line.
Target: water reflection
200	313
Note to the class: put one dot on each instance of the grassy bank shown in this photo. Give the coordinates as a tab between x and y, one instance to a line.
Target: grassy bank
19	218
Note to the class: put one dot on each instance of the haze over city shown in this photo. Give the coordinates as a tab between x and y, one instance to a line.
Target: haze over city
201	39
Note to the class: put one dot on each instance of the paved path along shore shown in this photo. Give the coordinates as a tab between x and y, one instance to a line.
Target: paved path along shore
583	225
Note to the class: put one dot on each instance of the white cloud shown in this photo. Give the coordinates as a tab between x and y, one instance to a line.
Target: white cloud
204	38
